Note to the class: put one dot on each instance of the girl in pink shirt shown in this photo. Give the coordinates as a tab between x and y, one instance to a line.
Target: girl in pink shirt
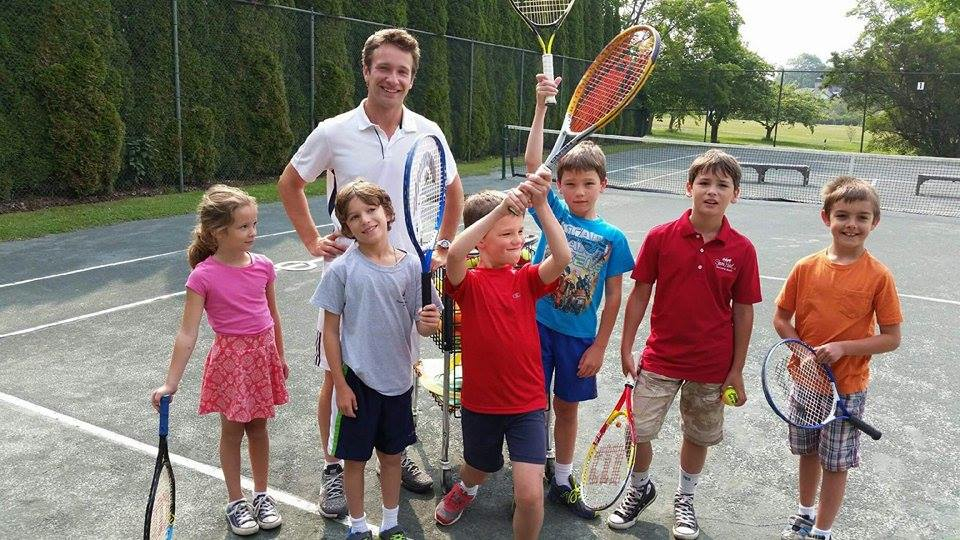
244	374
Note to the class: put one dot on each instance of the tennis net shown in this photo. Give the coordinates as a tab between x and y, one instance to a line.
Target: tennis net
922	185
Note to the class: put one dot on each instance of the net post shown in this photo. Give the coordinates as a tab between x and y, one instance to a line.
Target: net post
503	155
176	90
776	125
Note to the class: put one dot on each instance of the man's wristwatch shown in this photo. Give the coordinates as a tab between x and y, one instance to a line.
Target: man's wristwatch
443	243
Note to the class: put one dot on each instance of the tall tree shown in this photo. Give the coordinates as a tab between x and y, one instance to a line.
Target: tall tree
810	68
704	66
905	43
794	106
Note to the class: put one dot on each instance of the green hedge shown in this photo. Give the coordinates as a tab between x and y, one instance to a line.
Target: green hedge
87	100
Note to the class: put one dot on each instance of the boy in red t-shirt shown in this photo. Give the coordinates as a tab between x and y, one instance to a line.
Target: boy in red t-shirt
503	388
707	282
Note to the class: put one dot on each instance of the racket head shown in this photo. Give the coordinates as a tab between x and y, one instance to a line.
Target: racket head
542	13
161	503
613	79
798	388
424	191
610	457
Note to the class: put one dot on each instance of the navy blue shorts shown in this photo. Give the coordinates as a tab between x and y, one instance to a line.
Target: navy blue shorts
483	436
561	358
382	422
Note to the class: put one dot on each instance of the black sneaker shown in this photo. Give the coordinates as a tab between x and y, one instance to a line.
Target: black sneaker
265	512
812	536
412	477
240	518
393	533
333	503
685	519
570	498
798	527
636	501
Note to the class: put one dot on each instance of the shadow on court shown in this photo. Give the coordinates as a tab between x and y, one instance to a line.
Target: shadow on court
76	426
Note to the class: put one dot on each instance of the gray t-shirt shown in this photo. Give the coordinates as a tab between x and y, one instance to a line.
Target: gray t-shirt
377	307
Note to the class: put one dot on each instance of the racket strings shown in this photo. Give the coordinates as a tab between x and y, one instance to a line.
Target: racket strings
426	194
614	79
160	518
608	465
543	12
802	386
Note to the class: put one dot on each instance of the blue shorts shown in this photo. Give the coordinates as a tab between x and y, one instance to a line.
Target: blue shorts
561	359
483	435
382	422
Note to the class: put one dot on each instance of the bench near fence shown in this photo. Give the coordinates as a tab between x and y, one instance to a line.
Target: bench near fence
921	178
761	169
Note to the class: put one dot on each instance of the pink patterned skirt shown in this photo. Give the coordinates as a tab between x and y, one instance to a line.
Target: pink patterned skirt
243	377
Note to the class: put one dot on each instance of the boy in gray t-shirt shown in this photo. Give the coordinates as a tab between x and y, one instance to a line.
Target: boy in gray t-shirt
371	301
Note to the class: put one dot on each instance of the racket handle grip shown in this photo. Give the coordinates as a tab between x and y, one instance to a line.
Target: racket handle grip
548	71
873	432
164	415
425	286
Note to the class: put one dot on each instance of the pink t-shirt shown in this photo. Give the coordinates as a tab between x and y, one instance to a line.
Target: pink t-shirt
502	370
234	297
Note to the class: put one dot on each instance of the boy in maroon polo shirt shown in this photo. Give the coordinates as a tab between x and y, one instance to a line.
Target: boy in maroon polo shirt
503	387
707	282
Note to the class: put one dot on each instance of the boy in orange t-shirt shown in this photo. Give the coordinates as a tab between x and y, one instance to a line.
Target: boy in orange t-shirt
835	299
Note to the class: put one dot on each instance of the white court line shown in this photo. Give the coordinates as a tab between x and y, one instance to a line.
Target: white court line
901	295
128	261
143	448
94	314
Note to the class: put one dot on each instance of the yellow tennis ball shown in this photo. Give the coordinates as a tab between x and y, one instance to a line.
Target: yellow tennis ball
730	396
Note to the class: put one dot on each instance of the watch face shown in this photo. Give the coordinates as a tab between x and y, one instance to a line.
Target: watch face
443	244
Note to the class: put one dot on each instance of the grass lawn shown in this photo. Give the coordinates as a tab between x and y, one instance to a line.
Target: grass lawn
824	137
60	219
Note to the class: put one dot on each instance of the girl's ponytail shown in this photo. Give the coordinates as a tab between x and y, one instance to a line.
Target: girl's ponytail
214	213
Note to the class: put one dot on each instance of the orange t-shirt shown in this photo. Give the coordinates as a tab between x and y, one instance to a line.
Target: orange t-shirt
836	302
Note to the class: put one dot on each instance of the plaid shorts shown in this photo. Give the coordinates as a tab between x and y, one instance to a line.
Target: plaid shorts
838	443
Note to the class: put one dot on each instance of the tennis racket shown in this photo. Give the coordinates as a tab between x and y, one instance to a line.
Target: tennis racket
544	17
158	523
803	391
424	190
610	457
607	87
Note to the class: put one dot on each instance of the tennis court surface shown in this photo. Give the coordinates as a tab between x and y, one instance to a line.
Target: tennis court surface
87	321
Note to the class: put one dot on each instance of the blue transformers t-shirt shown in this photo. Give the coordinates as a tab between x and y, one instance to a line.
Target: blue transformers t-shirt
600	251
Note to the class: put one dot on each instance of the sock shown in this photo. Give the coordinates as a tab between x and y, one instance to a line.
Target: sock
808	511
639	479
688	482
389	518
824	533
258	493
471	491
561	473
359	524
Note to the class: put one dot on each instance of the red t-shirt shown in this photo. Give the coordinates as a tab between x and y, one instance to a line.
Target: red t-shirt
691	323
502	369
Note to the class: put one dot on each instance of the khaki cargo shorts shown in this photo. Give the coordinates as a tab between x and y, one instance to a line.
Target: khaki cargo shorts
701	410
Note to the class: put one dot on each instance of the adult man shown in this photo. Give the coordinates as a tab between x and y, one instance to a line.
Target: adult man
369	141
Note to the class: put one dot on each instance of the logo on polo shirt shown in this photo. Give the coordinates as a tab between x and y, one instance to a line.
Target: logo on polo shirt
725	264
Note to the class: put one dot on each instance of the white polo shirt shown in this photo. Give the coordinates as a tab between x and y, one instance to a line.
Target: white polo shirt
348	146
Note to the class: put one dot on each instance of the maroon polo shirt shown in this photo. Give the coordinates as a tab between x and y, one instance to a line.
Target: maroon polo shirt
691	323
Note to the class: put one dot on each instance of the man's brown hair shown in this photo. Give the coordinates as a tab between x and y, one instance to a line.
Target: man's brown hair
849	189
480	204
367	192
397	37
716	161
586	156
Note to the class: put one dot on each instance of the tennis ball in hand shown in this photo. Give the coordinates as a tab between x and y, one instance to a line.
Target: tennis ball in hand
730	395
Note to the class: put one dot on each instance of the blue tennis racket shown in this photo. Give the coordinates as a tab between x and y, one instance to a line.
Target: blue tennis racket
424	190
158	523
803	391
